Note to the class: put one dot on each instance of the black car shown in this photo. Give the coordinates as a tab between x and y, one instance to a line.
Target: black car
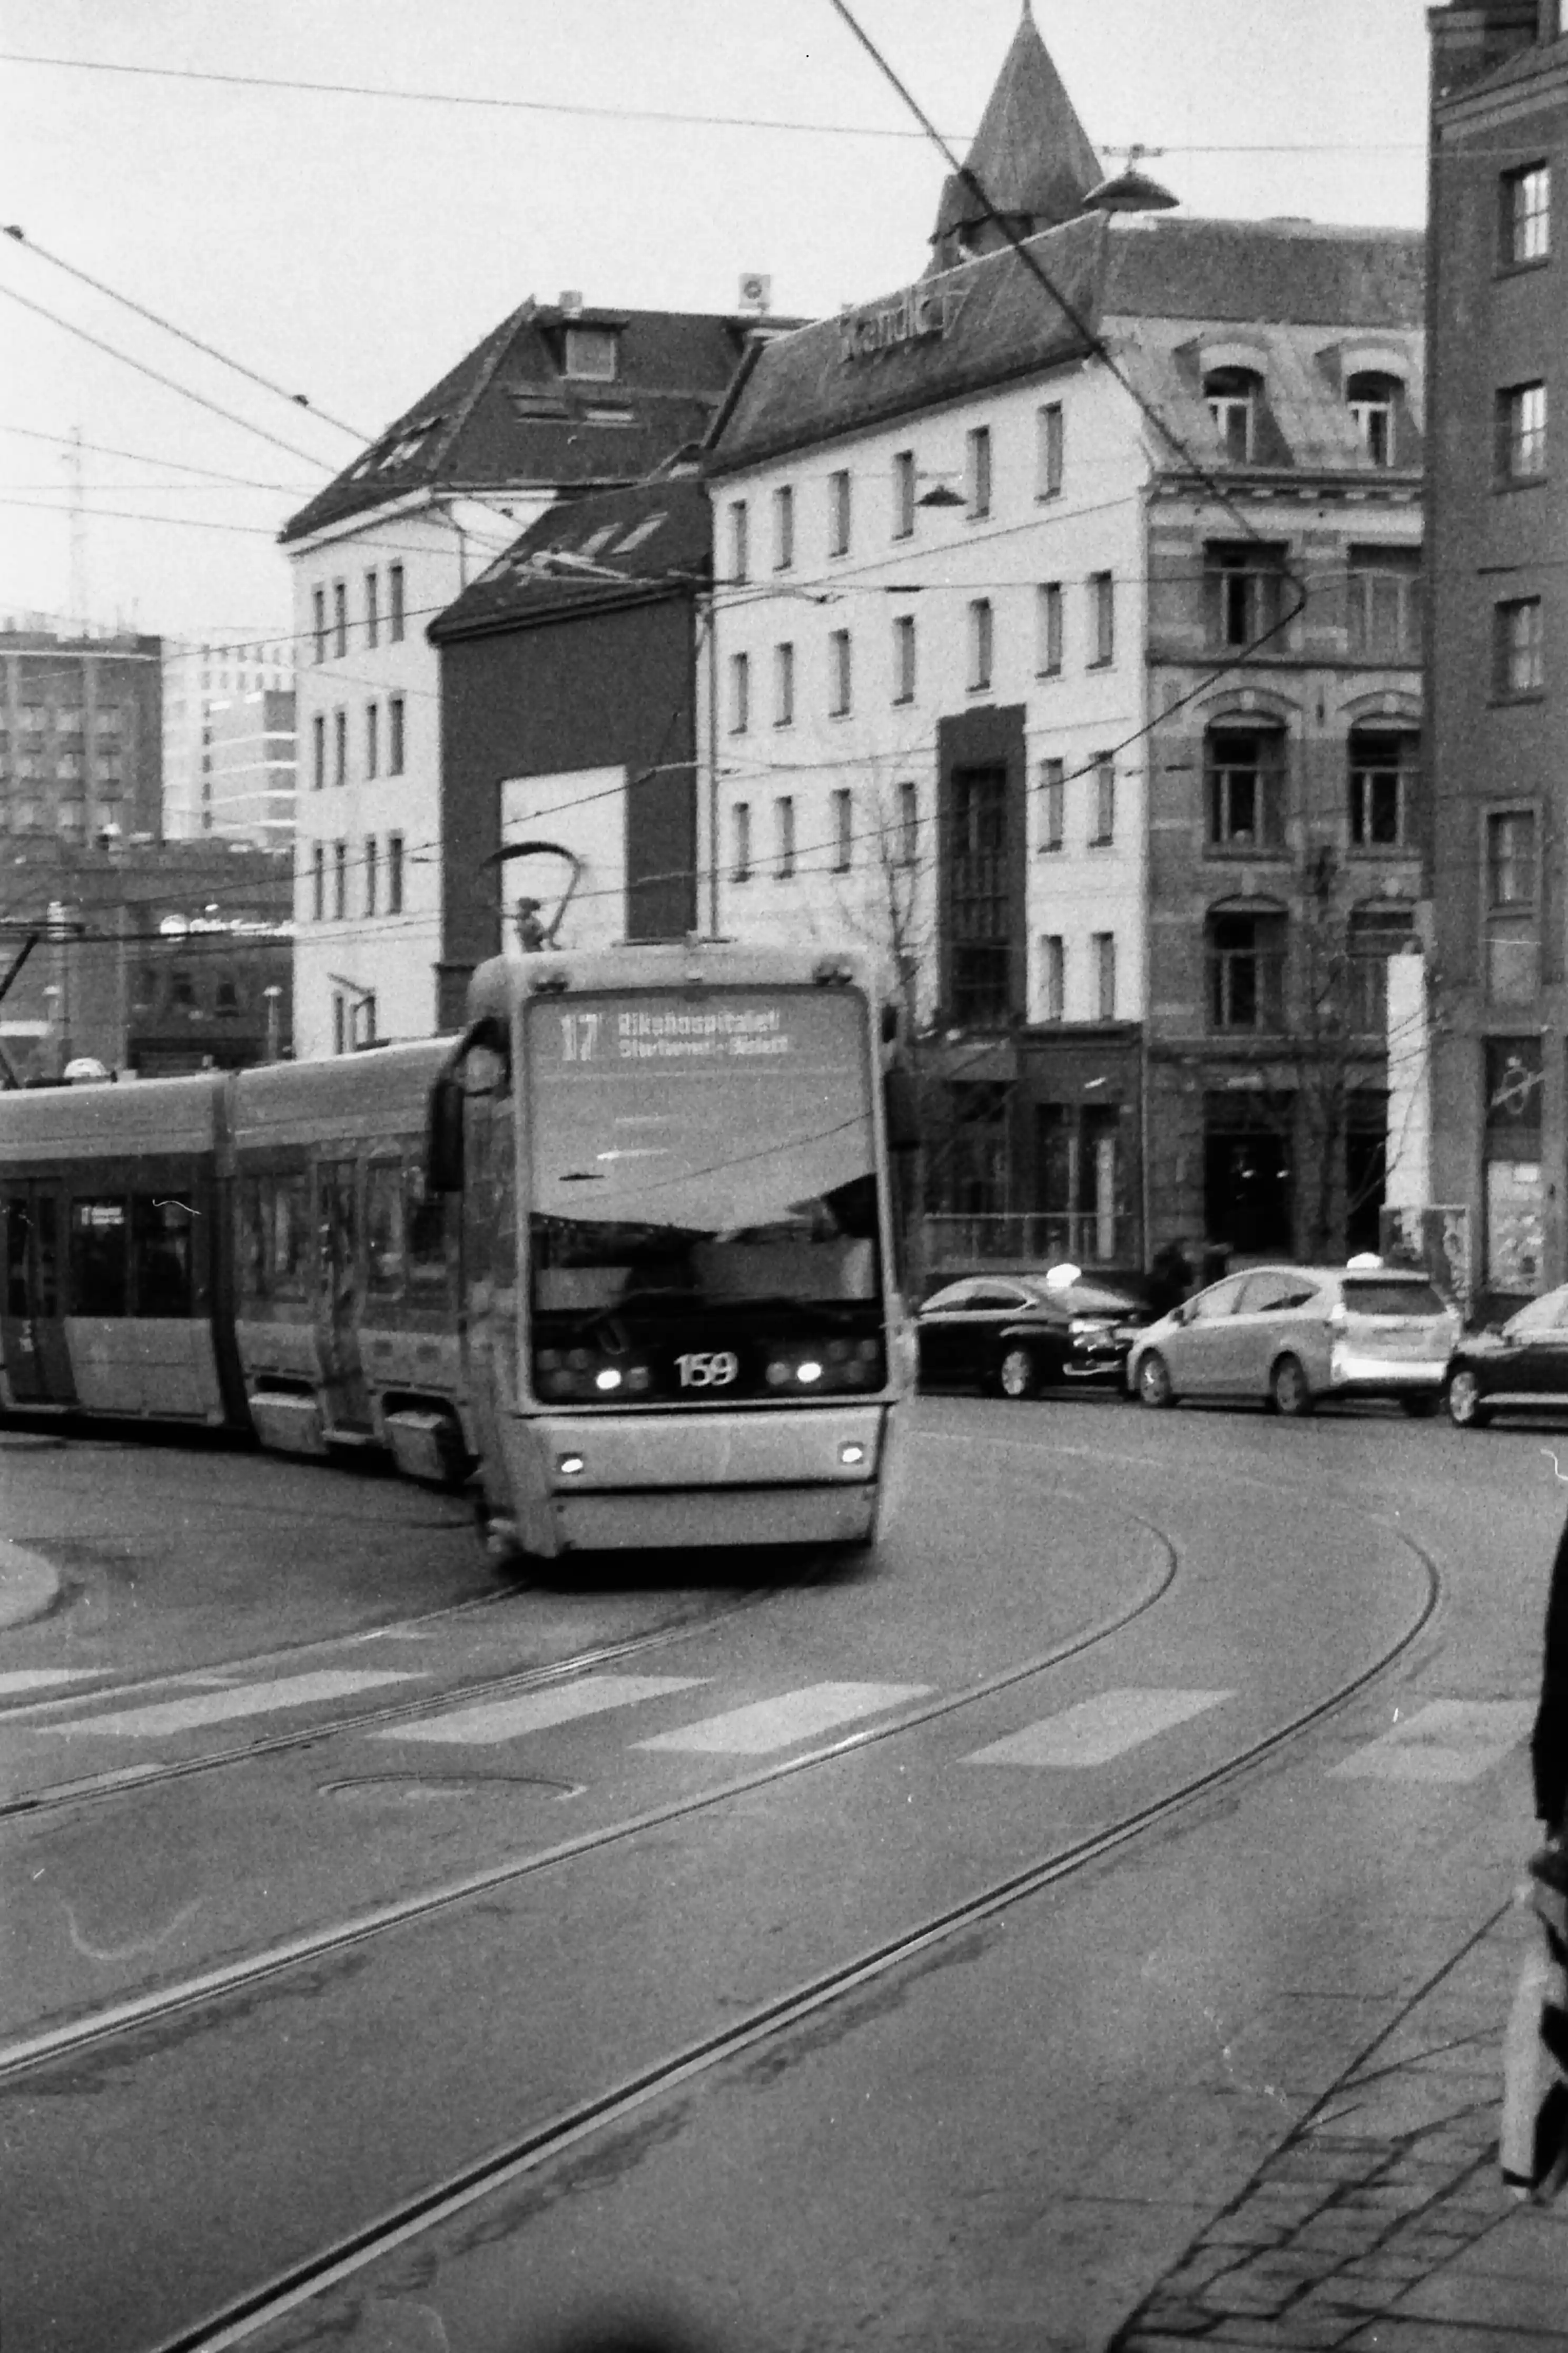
1017	1334
1523	1366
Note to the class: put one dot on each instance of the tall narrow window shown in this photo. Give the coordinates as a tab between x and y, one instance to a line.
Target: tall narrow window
340	617
1518	647
1244	583
395	736
784	527
1053	804
340	879
395	598
980	643
840	679
843	829
1048	451
977	470
1512	917
904	657
1235	397
740	693
318	750
1521	432
838	496
1055	976
908	823
1510	859
903	494
1102	606
1374	404
319	883
1105	975
1384	766
340	747
1049	629
1244	788
741	820
739	541
783	824
319	622
373	739
372	874
1525	221
1383	585
783	684
1104	801
372	608
980	896
394	874
340	1022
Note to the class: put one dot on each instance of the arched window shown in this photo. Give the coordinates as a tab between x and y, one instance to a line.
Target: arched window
1372	935
1245	954
1244	777
1235	398
1384	763
1374	399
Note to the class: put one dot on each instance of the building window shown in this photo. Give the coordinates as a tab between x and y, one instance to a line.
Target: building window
340	879
1056	976
340	617
783	685
591	351
1244	582
908	823
840	679
371	874
394	874
395	736
838	496
1104	832
318	750
1373	401
1384	613
784	527
783	831
740	693
318	623
1517	649
1102	611
372	608
977	470
340	1022
394	602
1244	782
373	739
1372	935
1053	804
741	815
1104	946
904	657
1383	765
340	747
1521	433
1049	629
739	541
1526	216
1510	859
843	830
319	883
1049	450
982	632
1235	398
903	494
1247	971
979	900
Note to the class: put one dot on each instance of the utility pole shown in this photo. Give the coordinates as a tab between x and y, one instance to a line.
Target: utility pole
78	530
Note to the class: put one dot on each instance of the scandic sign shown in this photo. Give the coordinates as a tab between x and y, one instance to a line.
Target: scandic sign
916	315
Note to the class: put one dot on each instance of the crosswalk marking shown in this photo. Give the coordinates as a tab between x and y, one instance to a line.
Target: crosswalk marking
27	1679
1446	1740
221	1706
770	1724
1096	1730
488	1721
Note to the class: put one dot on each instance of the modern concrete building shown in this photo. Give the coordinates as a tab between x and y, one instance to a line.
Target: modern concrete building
80	734
210	699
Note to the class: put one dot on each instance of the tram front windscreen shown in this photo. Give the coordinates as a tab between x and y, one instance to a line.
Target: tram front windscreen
703	1199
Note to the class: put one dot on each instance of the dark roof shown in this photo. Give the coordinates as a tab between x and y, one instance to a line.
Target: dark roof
867	367
1541	58
508	417
654	537
1031	154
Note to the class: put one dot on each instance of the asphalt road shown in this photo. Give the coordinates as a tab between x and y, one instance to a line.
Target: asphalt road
522	1923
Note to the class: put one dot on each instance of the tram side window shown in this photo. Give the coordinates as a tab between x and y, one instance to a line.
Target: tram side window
99	1258
16	1300
425	1216
383	1226
275	1237
160	1251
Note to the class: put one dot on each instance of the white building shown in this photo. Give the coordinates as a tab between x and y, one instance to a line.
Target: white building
207	692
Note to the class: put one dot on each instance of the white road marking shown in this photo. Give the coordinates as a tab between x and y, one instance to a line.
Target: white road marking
488	1721
770	1724
1446	1740
23	1678
1096	1730
221	1706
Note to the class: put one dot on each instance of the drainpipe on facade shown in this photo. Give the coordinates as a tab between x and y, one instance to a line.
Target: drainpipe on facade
1146	921
704	617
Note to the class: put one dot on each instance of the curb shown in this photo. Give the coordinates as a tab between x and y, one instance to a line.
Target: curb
28	1586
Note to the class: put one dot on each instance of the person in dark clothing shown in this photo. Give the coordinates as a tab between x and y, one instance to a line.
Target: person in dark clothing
1169	1277
1549	1741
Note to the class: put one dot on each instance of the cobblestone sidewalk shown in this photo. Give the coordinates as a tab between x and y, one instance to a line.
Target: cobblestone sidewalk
1381	2224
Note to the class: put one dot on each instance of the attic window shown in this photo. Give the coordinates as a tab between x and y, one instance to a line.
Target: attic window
601	416
1234	395
591	351
595	539
1371	397
406	446
640	532
537	404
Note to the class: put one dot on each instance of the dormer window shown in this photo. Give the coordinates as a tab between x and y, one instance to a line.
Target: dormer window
1235	398
591	351
1372	399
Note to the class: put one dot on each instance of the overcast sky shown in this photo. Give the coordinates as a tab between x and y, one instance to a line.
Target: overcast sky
353	246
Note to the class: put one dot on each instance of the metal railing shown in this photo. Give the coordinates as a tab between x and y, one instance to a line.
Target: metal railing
1034	1237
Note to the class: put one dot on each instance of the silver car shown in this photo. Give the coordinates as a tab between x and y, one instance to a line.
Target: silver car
1292	1334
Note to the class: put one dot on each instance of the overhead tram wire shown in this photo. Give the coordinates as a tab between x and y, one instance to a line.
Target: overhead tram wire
137	457
182	335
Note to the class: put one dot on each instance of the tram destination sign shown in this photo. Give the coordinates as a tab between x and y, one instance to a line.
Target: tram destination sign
757	1029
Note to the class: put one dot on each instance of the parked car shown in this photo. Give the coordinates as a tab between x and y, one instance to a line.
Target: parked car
1521	1367
1018	1333
1292	1336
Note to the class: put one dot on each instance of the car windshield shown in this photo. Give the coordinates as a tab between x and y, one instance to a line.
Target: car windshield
1374	1297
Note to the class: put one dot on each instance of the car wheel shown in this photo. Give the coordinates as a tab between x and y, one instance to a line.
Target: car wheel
1017	1375
1419	1409
1155	1381
1463	1399
1288	1389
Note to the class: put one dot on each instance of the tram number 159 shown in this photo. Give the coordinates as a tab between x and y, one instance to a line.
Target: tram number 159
708	1368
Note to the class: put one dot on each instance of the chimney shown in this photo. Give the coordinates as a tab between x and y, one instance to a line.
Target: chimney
1472	37
571	304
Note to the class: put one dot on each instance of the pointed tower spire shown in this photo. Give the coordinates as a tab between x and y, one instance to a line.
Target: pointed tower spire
1031	154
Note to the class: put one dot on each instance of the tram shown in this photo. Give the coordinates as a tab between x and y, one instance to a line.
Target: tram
627	1254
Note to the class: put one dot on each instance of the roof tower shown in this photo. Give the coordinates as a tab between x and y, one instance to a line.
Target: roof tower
1031	154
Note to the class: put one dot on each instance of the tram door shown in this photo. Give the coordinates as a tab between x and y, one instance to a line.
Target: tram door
340	1306
32	1327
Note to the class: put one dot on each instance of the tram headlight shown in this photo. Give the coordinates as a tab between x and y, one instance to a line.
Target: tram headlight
608	1379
